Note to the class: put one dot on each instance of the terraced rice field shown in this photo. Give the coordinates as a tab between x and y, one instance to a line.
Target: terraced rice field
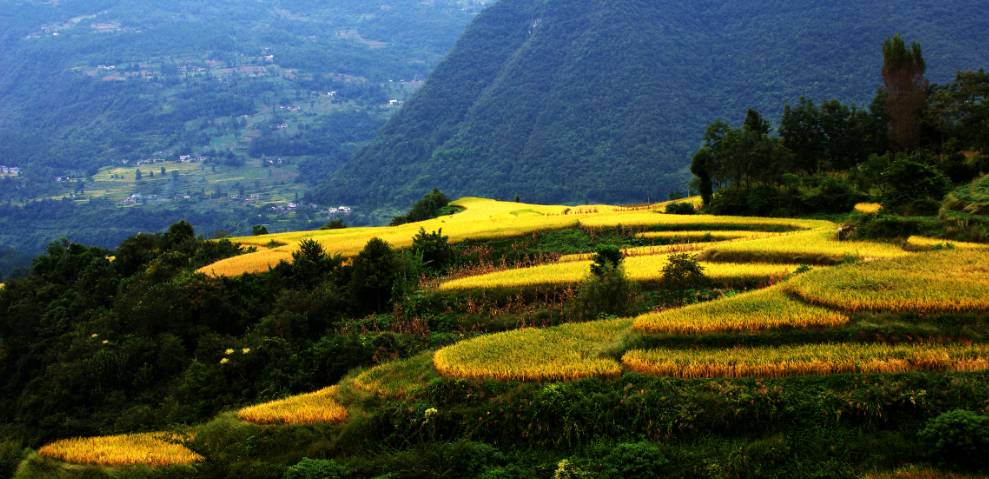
755	311
396	379
807	359
819	246
485	219
705	235
868	208
921	243
150	449
638	268
935	282
562	353
313	408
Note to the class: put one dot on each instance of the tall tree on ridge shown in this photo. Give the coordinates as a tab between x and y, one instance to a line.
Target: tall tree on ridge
906	87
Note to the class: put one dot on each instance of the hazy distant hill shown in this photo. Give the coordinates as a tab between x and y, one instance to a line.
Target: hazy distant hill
589	100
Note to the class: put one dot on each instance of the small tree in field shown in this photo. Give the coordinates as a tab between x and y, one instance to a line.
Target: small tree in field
683	272
434	249
608	290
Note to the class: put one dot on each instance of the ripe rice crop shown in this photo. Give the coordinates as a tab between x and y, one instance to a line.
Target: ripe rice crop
567	352
935	282
807	359
921	243
481	219
820	246
312	408
638	268
705	235
396	379
868	208
640	251
920	473
148	449
755	311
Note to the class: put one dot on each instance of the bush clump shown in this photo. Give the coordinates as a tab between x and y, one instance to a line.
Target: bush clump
317	469
958	438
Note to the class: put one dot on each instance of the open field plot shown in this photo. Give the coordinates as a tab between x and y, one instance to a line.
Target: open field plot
567	352
935	282
755	311
807	359
638	268
688	236
922	243
152	449
312	408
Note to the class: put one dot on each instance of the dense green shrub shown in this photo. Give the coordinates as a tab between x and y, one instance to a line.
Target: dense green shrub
374	275
958	437
11	453
634	460
607	291
434	249
911	185
681	208
430	206
317	469
683	272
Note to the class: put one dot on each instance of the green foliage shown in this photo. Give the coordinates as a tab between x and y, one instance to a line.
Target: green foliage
334	224
957	438
906	91
375	272
567	470
680	209
911	185
607	291
606	259
683	272
11	453
258	230
430	206
635	460
434	249
506	112
316	469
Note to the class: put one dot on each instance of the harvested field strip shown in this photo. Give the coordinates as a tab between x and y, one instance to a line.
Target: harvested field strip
312	408
638	268
807	359
756	311
935	282
148	449
811	247
567	352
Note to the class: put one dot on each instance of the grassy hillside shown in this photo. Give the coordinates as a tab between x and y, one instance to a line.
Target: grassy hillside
606	101
760	379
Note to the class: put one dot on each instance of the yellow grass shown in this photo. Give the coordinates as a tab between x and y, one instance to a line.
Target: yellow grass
935	282
396	379
640	251
807	359
755	311
819	246
482	219
312	408
868	208
567	352
638	268
149	449
705	235
923	243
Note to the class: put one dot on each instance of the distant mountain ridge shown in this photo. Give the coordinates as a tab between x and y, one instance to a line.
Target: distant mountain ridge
590	100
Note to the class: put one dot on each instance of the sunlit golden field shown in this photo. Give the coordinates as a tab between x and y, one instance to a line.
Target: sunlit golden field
759	310
819	246
312	408
868	208
567	352
934	282
807	359
152	449
705	235
485	219
638	268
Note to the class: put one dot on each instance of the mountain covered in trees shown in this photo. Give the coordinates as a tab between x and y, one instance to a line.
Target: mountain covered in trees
607	101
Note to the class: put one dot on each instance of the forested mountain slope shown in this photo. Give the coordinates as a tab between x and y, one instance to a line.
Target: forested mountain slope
584	100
